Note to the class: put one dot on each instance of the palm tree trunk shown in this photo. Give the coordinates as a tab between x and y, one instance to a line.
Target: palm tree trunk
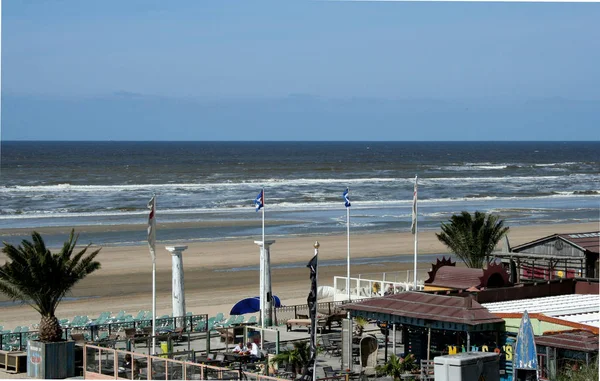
50	330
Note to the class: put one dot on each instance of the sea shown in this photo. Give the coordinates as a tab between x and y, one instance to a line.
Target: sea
205	191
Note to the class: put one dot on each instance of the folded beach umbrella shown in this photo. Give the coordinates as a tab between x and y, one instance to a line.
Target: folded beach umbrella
251	305
324	292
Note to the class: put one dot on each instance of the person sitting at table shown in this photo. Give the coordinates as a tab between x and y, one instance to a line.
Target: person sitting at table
131	364
239	348
127	363
255	354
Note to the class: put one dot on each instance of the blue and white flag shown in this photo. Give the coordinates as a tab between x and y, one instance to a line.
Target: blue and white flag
347	198
413	226
260	200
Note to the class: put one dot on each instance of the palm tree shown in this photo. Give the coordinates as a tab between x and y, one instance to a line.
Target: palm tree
473	238
41	279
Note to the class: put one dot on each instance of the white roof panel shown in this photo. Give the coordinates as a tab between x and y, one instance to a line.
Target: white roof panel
579	308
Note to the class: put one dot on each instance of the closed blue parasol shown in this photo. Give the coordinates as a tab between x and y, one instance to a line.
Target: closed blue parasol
525	356
251	305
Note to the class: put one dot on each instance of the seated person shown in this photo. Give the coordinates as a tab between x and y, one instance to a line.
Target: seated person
240	348
255	354
127	363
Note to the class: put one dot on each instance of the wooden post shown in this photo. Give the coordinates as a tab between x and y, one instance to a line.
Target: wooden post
429	342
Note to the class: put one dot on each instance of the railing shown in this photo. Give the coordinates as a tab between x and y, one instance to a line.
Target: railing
285	313
17	341
105	363
369	288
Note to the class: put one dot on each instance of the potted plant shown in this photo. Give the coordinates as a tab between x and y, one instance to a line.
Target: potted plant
396	366
393	368
297	358
33	275
409	363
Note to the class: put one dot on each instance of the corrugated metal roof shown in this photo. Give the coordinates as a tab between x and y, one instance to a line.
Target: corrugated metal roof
582	341
589	241
418	305
578	308
457	277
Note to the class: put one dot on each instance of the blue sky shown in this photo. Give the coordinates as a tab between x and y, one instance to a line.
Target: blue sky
71	68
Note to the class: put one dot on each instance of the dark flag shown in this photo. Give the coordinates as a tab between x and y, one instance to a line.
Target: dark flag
312	311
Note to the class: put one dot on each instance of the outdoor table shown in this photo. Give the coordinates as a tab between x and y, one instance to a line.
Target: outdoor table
237	357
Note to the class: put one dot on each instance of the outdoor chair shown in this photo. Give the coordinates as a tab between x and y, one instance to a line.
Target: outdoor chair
220	358
210	327
328	346
200	327
321	325
427	370
329	372
287	372
140	315
252	320
239	320
229	321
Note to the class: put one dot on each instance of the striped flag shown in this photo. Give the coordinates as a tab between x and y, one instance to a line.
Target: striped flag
152	227
413	227
259	202
346	198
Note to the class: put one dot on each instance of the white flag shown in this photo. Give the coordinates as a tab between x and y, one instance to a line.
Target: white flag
413	227
152	227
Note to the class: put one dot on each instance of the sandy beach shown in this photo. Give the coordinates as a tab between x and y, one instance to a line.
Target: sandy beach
124	281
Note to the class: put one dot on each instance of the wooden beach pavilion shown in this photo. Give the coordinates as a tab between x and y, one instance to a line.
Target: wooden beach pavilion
434	324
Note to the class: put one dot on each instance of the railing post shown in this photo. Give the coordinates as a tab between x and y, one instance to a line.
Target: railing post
295	312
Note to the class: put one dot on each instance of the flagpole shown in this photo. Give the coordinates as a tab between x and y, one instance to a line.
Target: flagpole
263	286
153	306
263	219
152	242
314	329
416	233
348	256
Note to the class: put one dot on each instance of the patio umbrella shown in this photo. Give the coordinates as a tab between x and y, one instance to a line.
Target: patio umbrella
524	354
251	305
324	292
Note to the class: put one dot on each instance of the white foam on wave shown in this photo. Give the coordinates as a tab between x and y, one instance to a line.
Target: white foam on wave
147	188
288	206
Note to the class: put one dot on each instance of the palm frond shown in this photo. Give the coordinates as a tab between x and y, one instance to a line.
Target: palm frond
472	237
40	278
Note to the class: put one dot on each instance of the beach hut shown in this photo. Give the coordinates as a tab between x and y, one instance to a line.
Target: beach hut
564	255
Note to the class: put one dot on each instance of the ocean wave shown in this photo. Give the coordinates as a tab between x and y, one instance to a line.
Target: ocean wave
277	183
11	213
